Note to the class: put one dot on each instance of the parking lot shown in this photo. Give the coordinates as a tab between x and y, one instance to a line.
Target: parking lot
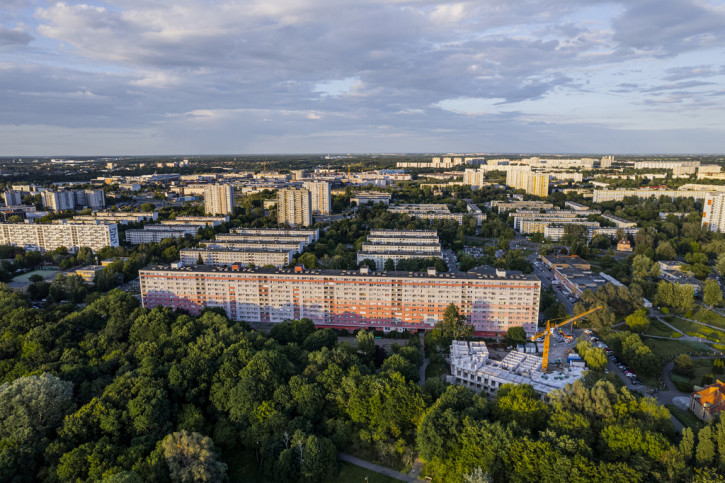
615	364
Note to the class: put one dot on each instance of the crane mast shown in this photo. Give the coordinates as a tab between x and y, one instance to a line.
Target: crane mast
547	333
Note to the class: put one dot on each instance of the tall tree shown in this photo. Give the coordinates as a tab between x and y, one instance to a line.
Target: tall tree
191	457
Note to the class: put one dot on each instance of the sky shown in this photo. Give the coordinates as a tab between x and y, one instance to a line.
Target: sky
133	77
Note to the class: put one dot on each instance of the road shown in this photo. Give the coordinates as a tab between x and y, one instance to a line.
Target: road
450	258
547	278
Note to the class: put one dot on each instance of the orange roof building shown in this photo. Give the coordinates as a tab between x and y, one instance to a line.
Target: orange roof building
708	403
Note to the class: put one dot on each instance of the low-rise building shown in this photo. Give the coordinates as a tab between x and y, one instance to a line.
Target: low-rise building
565	261
89	273
619	222
707	403
374	197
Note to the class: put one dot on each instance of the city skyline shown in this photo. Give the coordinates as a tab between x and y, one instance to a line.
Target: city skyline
133	78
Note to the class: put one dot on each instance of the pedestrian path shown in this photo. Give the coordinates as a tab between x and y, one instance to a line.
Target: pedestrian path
377	468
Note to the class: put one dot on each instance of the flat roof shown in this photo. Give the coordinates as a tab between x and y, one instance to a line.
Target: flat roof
351	273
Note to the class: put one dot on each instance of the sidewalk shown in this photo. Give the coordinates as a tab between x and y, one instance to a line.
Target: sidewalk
376	468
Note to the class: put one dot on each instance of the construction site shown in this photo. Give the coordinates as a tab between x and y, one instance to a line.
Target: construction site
472	364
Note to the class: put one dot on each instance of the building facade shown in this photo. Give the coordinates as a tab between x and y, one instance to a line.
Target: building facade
294	207
218	199
13	198
320	196
47	237
348	299
260	257
713	212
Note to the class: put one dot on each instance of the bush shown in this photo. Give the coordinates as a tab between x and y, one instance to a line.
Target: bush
665	310
681	383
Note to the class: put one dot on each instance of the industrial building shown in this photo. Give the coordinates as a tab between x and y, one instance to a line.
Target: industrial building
348	299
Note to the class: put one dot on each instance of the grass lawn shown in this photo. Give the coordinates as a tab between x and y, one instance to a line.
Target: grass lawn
46	274
659	329
692	327
668	348
351	473
685	417
710	317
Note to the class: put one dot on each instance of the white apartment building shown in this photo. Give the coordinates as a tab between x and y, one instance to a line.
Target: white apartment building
218	199
300	240
555	231
48	237
13	197
430	211
601	196
606	162
374	197
384	245
312	233
537	184
285	244
116	217
320	195
59	200
504	206
665	164
156	233
619	222
491	302
713	212
294	207
260	257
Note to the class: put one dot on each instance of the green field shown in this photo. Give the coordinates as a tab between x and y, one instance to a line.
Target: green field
710	317
692	327
46	274
670	348
657	328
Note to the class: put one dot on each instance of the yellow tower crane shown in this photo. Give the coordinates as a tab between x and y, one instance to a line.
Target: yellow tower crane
546	333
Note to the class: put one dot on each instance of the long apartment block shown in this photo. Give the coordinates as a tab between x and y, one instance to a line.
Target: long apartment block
384	245
217	256
429	212
156	233
313	233
280	244
600	196
491	302
46	237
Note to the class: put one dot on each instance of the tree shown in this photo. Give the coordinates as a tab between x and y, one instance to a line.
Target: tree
638	321
389	265
454	324
705	452
683	366
309	260
191	457
515	335
147	207
665	251
398	363
712	293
